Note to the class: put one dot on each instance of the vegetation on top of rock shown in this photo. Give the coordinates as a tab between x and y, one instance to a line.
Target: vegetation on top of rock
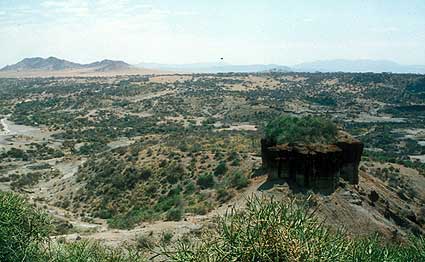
307	129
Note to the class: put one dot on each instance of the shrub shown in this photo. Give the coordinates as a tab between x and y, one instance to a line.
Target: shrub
16	153
200	208
166	237
307	129
28	179
233	156
132	218
91	148
190	188
23	229
165	203
221	169
144	242
224	195
238	180
175	214
103	213
206	181
173	173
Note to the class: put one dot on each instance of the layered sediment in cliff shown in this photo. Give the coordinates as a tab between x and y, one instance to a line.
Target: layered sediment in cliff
316	166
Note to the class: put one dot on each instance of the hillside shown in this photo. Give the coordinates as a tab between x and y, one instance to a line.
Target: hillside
109	65
133	159
38	63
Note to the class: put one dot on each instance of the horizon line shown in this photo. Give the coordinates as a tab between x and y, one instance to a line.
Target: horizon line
225	62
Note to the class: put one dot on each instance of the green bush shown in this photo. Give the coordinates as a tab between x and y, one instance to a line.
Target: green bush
144	242
221	169
16	153
238	180
307	129
190	188
103	213
224	195
23	229
131	218
206	181
200	208
28	179
166	237
167	202
175	214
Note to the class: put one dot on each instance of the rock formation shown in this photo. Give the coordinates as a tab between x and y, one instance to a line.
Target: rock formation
316	166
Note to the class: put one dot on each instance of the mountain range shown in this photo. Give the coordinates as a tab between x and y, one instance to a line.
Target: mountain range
338	65
53	66
214	67
56	64
360	66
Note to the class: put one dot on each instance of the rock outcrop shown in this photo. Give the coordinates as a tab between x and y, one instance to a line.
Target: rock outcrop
315	166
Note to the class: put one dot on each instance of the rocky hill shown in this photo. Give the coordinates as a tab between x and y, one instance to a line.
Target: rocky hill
38	63
109	65
55	64
55	67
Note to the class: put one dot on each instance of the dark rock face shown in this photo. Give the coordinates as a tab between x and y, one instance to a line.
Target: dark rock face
351	155
314	166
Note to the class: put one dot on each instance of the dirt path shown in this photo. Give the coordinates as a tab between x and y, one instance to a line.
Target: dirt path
5	130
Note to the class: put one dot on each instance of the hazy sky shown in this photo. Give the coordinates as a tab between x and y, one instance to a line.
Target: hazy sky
186	31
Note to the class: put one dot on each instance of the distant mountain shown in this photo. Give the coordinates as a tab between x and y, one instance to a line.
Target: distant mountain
55	67
363	65
214	67
109	65
56	64
38	63
339	65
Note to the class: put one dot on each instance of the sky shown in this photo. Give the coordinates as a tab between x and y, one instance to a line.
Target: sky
192	31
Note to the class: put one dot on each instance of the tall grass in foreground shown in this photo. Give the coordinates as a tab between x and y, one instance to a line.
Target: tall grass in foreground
24	237
86	251
269	230
23	229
